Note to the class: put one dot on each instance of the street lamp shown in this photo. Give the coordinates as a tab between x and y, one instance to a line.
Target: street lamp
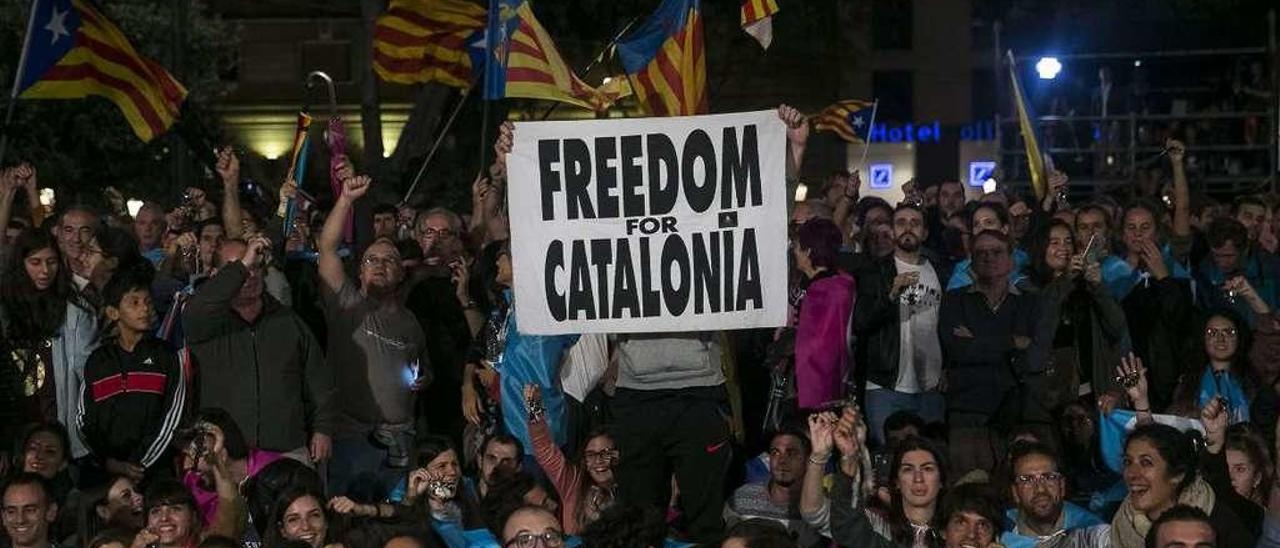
1048	68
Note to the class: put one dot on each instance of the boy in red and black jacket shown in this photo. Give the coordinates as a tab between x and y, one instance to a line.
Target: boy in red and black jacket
134	392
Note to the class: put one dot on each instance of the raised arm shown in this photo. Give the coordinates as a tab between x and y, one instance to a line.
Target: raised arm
1133	378
1181	194
8	189
813	499
797	138
228	168
330	265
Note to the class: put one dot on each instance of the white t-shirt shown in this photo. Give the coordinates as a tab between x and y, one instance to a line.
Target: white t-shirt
584	364
919	352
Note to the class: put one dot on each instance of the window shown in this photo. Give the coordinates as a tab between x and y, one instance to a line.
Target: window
268	62
894	90
891	24
982	100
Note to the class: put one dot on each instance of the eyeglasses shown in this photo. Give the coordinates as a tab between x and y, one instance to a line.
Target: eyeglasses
550	539
1215	333
383	261
1036	479
432	231
605	455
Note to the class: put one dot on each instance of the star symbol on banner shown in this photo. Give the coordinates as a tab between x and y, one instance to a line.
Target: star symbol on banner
857	121
57	25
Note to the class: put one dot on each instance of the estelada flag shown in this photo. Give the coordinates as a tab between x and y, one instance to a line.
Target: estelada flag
418	41
521	60
666	60
757	20
851	119
1026	126
73	51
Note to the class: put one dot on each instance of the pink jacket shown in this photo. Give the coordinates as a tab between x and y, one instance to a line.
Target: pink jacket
822	351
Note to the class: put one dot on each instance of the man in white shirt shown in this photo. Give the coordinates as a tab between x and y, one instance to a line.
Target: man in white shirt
896	319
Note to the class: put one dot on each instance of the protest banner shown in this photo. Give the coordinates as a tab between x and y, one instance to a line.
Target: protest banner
650	224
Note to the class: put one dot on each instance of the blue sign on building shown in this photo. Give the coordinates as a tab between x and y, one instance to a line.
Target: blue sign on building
881	175
930	132
980	171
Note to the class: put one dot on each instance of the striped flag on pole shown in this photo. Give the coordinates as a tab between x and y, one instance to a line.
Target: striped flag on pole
522	60
666	60
757	20
1026	126
73	51
418	41
851	119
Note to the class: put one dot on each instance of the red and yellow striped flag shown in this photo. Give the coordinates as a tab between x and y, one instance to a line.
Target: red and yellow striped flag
757	20
535	69
666	60
418	41
73	51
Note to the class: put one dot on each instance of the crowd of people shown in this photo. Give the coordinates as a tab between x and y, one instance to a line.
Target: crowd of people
956	370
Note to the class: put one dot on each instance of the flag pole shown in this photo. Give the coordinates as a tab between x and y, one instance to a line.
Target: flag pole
866	143
491	24
597	60
436	145
17	81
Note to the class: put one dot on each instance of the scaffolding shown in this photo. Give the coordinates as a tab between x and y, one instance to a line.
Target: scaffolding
1230	151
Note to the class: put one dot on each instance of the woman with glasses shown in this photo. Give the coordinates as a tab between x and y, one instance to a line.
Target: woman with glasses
586	487
1219	366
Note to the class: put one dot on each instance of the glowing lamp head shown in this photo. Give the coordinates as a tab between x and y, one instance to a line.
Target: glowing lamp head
1048	68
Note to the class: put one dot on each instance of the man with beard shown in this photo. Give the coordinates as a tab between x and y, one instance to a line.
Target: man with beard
29	511
499	454
1037	489
896	321
778	498
378	351
951	200
986	330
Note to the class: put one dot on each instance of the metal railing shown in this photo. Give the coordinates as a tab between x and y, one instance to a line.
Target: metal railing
1101	151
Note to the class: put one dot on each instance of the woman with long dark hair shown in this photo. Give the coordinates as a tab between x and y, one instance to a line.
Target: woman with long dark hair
917	484
116	504
299	515
1161	469
587	486
1218	367
436	488
46	333
1082	324
1249	463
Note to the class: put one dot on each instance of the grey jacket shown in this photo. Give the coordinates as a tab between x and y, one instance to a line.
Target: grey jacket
270	375
666	361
